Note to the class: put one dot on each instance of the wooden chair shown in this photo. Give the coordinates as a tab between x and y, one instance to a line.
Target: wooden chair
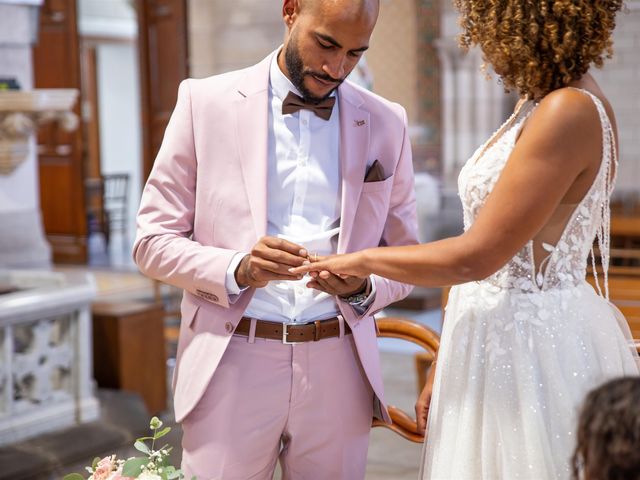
624	293
404	329
94	200
624	285
107	204
116	203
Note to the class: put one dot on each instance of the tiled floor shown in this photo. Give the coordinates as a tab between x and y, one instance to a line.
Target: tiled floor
390	456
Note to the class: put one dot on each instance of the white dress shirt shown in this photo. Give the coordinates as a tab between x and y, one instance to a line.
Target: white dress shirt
304	199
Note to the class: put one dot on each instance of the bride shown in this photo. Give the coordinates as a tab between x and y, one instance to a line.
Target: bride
524	336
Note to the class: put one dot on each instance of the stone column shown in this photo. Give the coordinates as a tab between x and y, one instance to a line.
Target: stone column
473	106
448	54
465	98
22	240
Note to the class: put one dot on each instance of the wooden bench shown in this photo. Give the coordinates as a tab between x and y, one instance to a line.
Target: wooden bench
624	293
129	350
404	329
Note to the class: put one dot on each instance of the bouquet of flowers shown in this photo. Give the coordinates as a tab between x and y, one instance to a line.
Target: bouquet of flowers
153	466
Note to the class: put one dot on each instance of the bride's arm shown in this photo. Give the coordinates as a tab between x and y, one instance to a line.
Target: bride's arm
561	145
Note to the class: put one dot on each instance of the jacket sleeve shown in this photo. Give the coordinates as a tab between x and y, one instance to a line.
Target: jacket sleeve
164	249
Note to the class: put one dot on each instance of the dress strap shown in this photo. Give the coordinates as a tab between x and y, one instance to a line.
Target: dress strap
609	170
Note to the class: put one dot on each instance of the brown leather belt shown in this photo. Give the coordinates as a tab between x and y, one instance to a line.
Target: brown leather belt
291	332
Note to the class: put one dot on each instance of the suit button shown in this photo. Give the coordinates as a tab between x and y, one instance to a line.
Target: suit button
228	327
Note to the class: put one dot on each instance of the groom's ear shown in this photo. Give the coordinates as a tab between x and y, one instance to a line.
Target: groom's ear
290	10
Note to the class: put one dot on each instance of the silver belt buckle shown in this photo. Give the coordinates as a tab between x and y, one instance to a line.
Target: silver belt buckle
285	333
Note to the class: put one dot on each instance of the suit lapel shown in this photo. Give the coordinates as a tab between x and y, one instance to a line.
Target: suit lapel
252	122
354	148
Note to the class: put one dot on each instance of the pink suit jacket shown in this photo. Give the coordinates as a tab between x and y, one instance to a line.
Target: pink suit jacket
206	200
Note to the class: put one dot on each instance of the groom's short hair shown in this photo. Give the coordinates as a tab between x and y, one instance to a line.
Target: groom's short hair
307	5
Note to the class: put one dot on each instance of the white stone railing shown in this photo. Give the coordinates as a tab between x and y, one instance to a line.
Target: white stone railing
45	353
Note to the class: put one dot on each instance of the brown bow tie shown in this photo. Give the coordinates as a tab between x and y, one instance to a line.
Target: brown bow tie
294	103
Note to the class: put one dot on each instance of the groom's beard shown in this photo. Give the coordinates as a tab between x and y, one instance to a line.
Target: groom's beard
298	72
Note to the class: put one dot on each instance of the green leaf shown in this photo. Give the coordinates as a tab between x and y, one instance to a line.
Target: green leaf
166	472
172	473
95	462
133	466
155	423
73	476
161	433
142	439
142	447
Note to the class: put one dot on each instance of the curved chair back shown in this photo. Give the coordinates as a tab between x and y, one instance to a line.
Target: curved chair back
404	329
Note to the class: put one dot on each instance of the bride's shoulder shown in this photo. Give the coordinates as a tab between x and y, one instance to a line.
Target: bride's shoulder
566	114
569	107
564	129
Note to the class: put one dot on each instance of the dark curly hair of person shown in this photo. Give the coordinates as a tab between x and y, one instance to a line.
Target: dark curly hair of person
537	46
609	433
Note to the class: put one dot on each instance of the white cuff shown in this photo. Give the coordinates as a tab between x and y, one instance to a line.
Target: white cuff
233	289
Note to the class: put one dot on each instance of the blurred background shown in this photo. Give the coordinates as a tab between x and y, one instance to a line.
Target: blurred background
86	91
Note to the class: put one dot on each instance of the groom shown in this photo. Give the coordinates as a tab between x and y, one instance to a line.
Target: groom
259	170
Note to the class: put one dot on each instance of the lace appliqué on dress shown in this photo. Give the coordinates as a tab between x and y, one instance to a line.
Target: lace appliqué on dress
566	263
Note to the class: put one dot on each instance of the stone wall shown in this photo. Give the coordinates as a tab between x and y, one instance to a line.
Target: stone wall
393	54
473	103
225	35
468	98
402	57
22	242
452	107
620	80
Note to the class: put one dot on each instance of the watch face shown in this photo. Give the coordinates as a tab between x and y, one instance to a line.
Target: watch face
358	298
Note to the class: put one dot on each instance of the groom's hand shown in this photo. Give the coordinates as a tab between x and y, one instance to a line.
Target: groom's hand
342	286
270	259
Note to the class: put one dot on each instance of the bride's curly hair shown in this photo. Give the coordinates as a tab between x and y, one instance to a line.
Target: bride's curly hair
608	440
537	46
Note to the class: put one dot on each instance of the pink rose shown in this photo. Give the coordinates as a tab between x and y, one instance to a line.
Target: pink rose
117	475
104	468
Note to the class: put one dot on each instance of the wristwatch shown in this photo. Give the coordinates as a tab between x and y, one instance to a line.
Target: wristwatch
359	297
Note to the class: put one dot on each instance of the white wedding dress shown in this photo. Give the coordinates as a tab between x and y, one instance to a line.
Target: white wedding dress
520	349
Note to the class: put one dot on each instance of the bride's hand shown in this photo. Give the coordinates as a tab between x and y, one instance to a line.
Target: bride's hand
344	265
424	400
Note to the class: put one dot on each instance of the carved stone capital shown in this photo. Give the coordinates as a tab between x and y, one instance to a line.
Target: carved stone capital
21	113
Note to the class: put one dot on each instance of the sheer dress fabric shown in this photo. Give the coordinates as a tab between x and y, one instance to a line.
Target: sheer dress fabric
520	349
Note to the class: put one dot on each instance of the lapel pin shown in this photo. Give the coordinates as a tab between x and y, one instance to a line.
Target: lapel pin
359	123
